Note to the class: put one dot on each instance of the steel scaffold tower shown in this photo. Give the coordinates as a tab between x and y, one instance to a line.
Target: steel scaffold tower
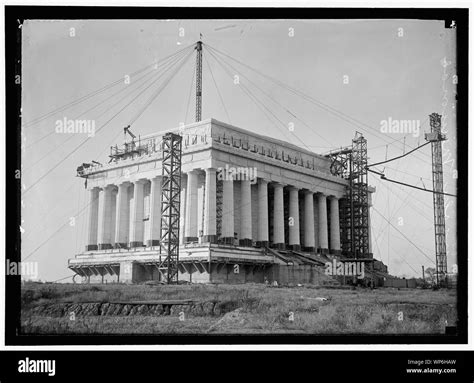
360	198
351	163
436	138
170	206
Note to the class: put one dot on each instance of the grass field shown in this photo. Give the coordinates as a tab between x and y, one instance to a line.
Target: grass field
247	309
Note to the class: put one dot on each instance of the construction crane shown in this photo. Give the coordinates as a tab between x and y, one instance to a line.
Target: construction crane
129	146
436	138
127	130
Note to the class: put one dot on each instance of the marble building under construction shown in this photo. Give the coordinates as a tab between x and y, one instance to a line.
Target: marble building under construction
253	209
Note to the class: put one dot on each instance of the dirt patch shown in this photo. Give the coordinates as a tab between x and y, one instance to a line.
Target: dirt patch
57	310
231	319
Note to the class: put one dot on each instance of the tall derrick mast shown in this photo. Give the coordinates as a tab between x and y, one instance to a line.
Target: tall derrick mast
198	80
436	138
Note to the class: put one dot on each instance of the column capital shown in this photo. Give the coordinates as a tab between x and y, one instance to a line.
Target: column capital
140	181
124	183
210	172
333	197
279	184
110	186
263	181
291	187
306	191
156	178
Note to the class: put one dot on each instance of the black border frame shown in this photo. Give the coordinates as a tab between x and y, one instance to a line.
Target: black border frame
14	16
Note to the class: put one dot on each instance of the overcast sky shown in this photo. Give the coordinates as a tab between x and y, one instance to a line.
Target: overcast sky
369	70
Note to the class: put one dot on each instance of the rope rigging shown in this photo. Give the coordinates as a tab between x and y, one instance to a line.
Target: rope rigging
310	99
125	88
100	90
98	130
141	85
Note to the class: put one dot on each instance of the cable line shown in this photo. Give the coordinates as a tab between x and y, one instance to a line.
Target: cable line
314	101
404	236
405	201
282	106
62	279
159	90
396	158
383	177
83	142
141	85
250	94
97	91
189	95
409	174
100	154
217	88
54	233
152	71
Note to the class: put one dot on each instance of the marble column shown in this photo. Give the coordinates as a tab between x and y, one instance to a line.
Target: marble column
262	239
228	210
371	254
182	211
137	224
335	230
122	216
191	224
154	236
210	228
105	230
309	244
294	220
278	218
93	219
323	224
246	213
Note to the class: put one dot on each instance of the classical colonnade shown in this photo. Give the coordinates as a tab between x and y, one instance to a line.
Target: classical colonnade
246	212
